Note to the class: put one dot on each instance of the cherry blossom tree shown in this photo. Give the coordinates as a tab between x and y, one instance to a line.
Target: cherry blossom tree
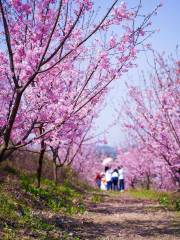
88	163
143	169
154	117
55	64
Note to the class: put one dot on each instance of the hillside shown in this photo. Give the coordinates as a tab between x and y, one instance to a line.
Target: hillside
69	211
27	212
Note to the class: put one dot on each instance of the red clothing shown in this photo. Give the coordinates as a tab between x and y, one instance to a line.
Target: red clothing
98	177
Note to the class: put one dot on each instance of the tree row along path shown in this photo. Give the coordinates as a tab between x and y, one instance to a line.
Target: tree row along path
123	217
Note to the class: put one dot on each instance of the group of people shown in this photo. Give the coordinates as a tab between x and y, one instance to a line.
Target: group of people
111	179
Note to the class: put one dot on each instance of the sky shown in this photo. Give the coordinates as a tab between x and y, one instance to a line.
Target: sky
166	39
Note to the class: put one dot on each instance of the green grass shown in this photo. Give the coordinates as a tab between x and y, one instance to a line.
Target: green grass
166	199
15	216
7	207
97	198
56	197
21	204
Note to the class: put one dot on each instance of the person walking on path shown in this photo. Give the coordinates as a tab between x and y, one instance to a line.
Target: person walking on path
108	177
121	178
115	176
98	180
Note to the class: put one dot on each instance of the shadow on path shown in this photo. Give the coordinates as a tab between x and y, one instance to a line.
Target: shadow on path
116	216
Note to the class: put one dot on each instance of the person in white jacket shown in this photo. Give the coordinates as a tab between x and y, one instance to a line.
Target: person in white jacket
108	178
121	178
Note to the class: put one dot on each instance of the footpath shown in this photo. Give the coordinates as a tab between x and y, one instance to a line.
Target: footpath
116	217
60	212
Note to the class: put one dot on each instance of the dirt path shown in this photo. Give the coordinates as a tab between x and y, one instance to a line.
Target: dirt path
122	217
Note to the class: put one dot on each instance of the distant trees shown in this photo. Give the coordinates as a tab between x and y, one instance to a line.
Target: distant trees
153	118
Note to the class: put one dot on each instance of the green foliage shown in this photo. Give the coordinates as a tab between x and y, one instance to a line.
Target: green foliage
19	219
8	233
166	199
21	215
97	198
33	221
10	170
15	216
170	201
144	194
177	204
56	197
7	208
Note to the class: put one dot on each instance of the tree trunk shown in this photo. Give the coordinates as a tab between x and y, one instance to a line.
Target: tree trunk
40	163
55	169
2	152
41	157
148	182
132	184
8	129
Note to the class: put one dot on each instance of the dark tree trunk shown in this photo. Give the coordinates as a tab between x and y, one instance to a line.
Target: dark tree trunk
41	157
55	170
7	132
55	166
55	151
133	184
40	163
148	183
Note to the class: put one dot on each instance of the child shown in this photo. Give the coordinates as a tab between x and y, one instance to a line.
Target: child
103	182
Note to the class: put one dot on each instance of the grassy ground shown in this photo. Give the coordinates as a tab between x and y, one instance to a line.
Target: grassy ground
73	211
27	212
168	200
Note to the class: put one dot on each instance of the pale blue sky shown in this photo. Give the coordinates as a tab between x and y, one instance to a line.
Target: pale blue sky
168	21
